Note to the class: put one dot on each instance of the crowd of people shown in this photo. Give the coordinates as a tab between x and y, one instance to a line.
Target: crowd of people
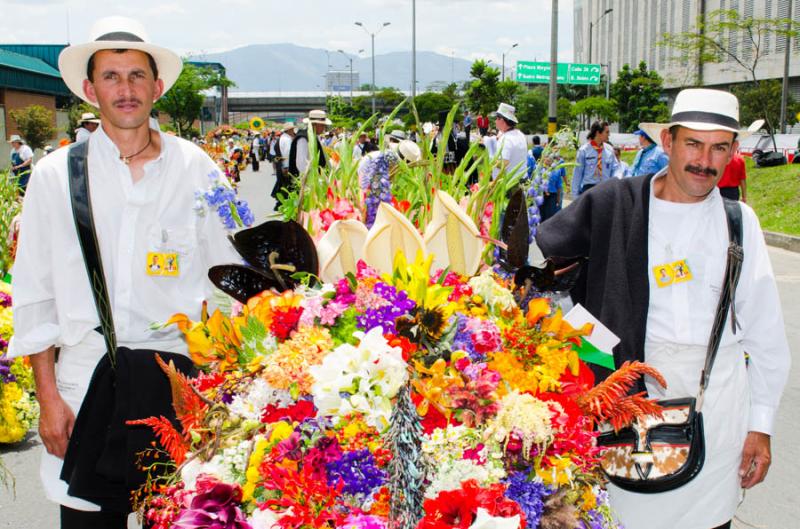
662	213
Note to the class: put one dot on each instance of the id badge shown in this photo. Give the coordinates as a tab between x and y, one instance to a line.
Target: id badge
672	273
162	264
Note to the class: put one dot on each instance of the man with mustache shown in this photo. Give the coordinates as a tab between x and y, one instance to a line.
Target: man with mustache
142	187
631	229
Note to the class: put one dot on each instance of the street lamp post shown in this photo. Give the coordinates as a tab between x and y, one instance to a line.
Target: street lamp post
413	49
348	57
591	26
372	38
503	75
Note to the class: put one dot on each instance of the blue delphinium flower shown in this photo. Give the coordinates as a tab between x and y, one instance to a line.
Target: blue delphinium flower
359	472
529	494
379	188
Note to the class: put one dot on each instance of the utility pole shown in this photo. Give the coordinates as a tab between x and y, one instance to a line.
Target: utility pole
785	92
413	49
552	107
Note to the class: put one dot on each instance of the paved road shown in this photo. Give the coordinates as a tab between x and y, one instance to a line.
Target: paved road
771	505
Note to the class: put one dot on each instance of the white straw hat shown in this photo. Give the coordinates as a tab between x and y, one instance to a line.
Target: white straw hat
507	111
89	117
703	109
115	33
15	137
317	116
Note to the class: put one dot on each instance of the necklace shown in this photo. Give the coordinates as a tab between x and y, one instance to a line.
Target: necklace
127	159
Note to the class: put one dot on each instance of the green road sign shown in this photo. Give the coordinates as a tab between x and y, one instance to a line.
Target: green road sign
567	73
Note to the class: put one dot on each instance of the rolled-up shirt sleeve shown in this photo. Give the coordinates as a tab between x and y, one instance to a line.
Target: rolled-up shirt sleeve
764	337
36	325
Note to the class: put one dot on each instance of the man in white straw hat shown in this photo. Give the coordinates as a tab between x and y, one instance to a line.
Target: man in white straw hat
317	120
511	141
21	161
143	187
88	124
676	220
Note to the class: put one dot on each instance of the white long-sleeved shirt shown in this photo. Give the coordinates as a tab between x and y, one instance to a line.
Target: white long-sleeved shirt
286	147
53	304
683	313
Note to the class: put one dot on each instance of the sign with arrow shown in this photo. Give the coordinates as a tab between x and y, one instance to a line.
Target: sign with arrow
567	73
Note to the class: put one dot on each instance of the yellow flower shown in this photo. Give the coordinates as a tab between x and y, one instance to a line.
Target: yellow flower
252	474
280	431
557	472
589	500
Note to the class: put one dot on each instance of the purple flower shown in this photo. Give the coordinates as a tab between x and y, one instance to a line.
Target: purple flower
244	213
216	506
398	304
358	471
529	494
463	339
375	174
5	300
6	375
363	521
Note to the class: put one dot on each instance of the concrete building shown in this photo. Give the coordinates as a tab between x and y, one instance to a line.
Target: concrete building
618	32
29	76
342	81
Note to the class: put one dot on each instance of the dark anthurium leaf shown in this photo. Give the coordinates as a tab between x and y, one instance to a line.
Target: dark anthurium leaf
515	232
241	282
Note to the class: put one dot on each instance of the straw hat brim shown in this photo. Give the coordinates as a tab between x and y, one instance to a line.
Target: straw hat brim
654	129
325	121
73	61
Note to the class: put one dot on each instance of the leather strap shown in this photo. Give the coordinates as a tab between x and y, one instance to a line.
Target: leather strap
733	268
87	236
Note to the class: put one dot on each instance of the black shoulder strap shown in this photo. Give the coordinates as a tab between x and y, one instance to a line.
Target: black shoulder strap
733	269
84	224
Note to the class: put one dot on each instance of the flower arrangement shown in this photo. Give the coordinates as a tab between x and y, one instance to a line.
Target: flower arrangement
19	410
220	197
417	399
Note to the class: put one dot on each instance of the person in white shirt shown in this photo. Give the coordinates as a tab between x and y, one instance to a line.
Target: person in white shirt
299	152
88	124
143	185
623	170
634	229
511	141
21	161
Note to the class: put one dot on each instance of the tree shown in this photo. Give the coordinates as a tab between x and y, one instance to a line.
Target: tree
564	113
764	102
725	36
638	95
595	107
507	92
482	94
532	106
35	124
429	105
451	91
74	114
184	100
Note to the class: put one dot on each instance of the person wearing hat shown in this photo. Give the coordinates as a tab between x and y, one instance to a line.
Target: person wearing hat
143	185
595	161
675	219
651	158
299	152
88	124
283	146
511	141
21	161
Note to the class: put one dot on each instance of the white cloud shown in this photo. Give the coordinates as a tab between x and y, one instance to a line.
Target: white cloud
471	28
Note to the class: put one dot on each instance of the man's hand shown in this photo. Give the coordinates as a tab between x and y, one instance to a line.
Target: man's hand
55	425
756	457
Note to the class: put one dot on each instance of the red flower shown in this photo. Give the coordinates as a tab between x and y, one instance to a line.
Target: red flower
574	385
402	206
204	381
458	508
284	321
434	418
296	412
406	346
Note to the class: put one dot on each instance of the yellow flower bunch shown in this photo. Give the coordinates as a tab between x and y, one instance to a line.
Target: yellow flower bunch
557	472
252	475
6	322
211	339
12	430
288	366
415	278
433	382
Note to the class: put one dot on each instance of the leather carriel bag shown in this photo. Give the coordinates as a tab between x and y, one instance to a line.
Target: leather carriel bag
658	454
105	455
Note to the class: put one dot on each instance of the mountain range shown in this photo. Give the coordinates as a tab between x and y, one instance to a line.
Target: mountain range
287	67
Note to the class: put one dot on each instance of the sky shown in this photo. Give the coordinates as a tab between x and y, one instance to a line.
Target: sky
467	29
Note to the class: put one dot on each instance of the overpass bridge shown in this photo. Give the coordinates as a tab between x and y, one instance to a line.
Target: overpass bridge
277	106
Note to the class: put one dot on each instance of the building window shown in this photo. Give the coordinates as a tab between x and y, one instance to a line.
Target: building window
662	28
653	39
767	46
